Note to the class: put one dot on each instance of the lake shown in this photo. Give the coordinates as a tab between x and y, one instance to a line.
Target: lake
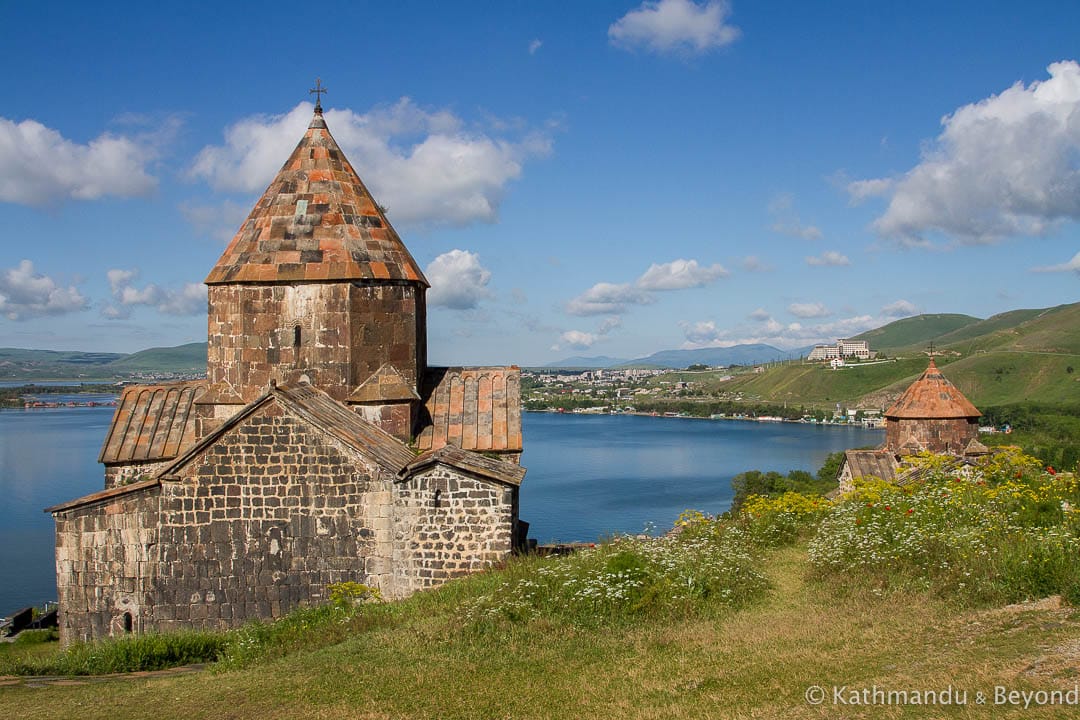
588	475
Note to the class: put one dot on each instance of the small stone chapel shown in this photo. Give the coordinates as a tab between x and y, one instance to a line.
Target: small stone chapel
932	415
321	448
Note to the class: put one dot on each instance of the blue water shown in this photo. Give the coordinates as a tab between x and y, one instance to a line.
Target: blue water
588	476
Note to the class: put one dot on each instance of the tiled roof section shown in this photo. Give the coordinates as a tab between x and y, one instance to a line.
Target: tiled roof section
491	468
871	463
471	408
385	384
316	221
105	495
932	396
322	411
152	423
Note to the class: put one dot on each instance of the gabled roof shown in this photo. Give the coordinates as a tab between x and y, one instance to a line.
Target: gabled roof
490	468
152	423
316	221
323	412
385	384
881	464
106	495
471	408
932	397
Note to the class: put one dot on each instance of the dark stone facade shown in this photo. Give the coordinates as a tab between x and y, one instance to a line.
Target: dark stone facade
936	435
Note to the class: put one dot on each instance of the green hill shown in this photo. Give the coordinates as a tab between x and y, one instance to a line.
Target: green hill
179	359
912	331
1018	356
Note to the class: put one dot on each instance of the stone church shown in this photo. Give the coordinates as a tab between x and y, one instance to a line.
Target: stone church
932	415
321	447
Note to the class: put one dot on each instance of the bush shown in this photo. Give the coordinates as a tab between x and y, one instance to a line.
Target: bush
1003	532
706	565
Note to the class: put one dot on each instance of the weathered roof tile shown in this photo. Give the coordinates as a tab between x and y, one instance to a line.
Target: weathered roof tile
152	423
471	408
932	396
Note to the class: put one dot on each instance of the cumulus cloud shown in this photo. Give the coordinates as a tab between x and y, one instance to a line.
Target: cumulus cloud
576	340
26	294
808	310
1006	165
679	275
458	280
608	299
899	309
614	298
190	299
39	166
829	258
426	166
772	332
675	26
1070	266
759	315
534	46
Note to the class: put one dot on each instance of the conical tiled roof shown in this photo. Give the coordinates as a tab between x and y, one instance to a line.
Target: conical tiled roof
316	221
933	397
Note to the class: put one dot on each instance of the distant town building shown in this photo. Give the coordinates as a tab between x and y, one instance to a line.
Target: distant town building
842	349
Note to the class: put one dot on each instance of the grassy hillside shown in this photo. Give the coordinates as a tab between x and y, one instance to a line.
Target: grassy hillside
914	331
182	358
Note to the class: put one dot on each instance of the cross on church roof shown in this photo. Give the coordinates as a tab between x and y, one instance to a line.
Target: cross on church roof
931	349
318	90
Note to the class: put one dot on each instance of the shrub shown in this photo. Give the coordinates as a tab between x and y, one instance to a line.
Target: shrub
1001	532
706	565
778	521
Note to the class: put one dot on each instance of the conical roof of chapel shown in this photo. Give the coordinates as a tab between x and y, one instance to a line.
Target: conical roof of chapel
317	221
932	397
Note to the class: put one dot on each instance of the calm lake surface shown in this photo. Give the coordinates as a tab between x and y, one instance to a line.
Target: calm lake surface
588	476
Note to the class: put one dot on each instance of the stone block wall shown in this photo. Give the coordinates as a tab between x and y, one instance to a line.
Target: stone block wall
263	521
449	524
107	559
259	333
389	325
937	436
117	474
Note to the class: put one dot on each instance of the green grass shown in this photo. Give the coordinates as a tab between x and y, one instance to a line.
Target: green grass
915	331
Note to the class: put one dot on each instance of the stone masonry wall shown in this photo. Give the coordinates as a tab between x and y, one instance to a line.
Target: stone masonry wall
937	436
107	556
388	326
253	331
267	518
449	524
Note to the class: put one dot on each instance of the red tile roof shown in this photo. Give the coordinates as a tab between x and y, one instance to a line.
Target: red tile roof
932	397
316	221
471	408
152	423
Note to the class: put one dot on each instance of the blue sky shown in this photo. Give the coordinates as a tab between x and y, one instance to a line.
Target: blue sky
576	178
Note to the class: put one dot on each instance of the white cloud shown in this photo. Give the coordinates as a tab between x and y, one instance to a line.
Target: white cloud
425	166
679	275
829	258
26	294
609	324
675	26
534	46
759	315
188	300
1070	266
38	166
219	222
458	280
771	332
808	310
608	299
1005	165
899	309
614	298
576	340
